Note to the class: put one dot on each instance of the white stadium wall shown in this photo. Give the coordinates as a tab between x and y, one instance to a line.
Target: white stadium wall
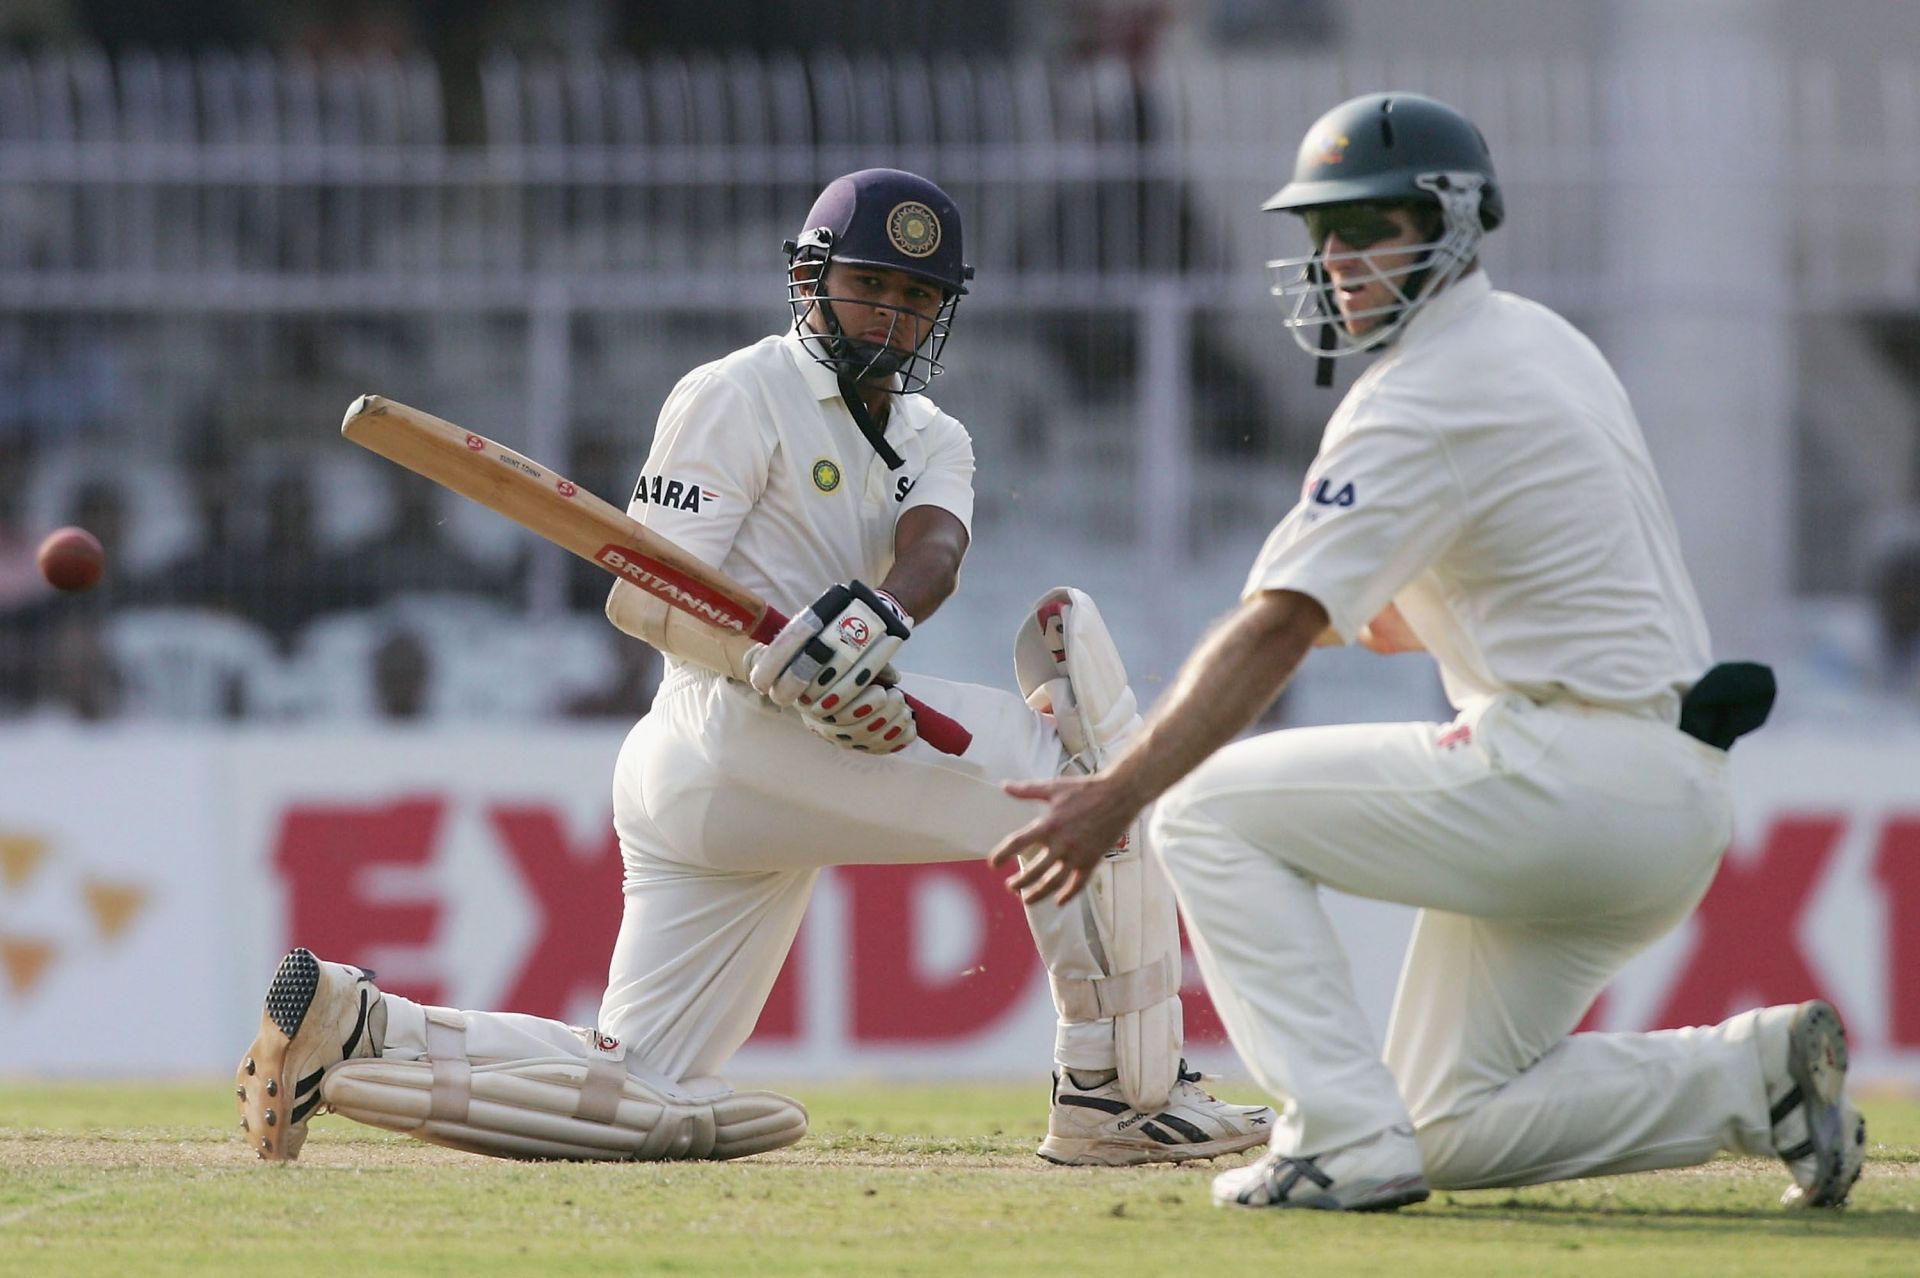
150	880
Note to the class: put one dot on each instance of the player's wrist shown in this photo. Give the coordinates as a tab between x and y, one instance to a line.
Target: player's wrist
892	601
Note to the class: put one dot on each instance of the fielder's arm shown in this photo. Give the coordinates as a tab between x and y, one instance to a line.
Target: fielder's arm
1233	675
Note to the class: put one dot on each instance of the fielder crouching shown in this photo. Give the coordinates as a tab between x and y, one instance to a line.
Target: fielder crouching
807	457
1484	492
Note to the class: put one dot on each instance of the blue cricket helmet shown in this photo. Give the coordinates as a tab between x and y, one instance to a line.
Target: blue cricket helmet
885	218
890	218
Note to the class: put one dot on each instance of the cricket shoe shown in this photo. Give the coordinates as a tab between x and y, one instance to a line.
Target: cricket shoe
1096	1127
317	1015
1816	1130
1377	1174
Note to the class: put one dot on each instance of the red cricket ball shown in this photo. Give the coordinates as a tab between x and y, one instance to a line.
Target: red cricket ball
71	559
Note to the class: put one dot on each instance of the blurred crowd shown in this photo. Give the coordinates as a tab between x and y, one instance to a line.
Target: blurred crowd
310	591
233	593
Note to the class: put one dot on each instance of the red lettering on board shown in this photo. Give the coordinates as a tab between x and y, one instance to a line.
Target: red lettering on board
1896	863
325	853
891	1001
1746	950
577	893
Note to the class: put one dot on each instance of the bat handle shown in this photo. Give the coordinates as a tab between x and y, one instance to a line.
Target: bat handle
943	732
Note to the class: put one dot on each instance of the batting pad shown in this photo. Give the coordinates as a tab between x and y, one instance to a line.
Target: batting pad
561	1107
1068	665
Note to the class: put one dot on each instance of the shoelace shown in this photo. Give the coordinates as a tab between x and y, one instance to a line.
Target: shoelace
1184	1075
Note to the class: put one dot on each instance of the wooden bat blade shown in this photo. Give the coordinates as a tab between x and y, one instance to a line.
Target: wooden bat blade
555	508
552	506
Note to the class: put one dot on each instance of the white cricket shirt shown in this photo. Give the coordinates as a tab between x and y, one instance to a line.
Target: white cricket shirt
758	468
1488	476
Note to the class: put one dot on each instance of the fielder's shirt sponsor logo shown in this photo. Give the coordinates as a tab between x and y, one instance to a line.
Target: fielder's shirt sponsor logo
658	490
901	489
1325	494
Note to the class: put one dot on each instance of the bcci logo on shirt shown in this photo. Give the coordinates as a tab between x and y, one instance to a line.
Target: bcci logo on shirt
826	475
914	229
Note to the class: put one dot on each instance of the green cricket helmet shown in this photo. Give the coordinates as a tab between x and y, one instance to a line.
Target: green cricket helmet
1384	148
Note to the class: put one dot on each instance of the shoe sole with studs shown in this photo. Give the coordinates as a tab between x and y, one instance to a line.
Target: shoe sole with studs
261	1086
1817	1063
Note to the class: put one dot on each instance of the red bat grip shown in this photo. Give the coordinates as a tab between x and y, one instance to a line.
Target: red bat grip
943	732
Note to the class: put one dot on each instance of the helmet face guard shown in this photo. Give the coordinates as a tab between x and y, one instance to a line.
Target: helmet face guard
1304	286
1371	152
913	365
890	220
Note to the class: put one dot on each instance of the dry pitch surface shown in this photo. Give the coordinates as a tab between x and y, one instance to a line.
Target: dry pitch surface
922	1180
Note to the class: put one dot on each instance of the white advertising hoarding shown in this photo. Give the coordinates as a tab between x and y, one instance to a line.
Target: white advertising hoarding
149	881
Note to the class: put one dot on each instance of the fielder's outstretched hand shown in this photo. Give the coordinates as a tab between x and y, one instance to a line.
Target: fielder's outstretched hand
1058	850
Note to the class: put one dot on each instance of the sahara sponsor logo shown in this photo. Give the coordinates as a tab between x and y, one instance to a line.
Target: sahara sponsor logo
658	490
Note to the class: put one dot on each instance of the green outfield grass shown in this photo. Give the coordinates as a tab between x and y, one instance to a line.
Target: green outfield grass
99	1179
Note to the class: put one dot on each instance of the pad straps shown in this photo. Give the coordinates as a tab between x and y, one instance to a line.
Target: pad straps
452	1071
451	1096
1101	998
600	1090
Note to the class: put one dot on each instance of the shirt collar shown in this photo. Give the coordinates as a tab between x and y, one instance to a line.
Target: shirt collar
818	377
1450	302
825	385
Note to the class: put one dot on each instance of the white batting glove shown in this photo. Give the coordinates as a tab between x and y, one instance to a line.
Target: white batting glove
876	721
829	654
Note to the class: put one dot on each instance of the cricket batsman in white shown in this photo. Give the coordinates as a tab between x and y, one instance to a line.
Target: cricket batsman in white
1483	492
805	466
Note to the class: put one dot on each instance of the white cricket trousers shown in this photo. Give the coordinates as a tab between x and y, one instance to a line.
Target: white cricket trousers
1545	846
726	808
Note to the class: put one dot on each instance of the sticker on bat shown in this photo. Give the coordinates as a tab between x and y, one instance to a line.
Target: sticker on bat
674	586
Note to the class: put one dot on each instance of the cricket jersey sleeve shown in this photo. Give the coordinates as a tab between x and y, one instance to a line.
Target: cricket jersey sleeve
1380	504
947	480
707	467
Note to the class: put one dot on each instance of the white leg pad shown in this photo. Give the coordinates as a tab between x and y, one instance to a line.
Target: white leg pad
1068	665
596	1107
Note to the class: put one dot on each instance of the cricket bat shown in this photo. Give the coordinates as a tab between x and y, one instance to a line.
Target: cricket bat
571	517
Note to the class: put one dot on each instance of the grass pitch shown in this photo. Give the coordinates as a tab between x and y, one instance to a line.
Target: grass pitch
102	1179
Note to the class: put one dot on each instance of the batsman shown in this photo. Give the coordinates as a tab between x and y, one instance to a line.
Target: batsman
807	466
